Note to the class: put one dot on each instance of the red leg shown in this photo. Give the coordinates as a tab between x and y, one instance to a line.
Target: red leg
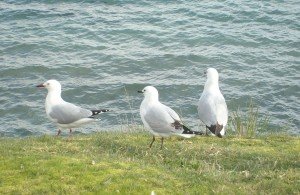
58	132
152	142
162	143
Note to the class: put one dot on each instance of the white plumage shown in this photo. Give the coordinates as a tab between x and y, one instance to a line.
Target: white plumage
65	114
212	108
160	119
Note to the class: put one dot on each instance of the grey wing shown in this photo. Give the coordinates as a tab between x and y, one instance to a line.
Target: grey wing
68	113
212	109
159	120
206	110
222	112
172	113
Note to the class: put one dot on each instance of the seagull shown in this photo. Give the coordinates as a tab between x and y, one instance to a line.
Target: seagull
212	108
160	119
65	114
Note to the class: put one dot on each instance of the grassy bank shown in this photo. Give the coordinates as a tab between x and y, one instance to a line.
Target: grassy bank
122	163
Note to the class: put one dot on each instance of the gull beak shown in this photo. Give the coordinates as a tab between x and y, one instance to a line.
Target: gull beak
40	86
140	91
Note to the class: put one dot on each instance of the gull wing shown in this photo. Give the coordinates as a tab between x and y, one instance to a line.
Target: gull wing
160	118
67	113
212	109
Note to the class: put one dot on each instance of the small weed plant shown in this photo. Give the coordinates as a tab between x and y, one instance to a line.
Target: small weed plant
247	124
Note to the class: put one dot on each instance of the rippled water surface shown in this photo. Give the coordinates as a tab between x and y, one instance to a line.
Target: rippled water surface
103	52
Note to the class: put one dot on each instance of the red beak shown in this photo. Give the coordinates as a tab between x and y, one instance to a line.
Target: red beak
40	85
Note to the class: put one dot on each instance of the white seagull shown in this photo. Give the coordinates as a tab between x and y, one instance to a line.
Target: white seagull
65	114
160	119
212	108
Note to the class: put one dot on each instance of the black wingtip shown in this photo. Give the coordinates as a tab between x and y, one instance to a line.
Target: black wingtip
219	135
96	112
216	129
188	131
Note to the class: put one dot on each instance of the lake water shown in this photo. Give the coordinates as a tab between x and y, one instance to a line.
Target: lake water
103	52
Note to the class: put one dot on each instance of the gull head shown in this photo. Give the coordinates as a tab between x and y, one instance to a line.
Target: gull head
212	74
150	92
51	85
212	78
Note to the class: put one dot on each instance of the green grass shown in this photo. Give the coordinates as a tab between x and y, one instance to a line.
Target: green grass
112	162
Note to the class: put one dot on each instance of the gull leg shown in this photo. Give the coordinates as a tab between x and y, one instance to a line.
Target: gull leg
162	142
58	132
152	142
206	131
70	135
